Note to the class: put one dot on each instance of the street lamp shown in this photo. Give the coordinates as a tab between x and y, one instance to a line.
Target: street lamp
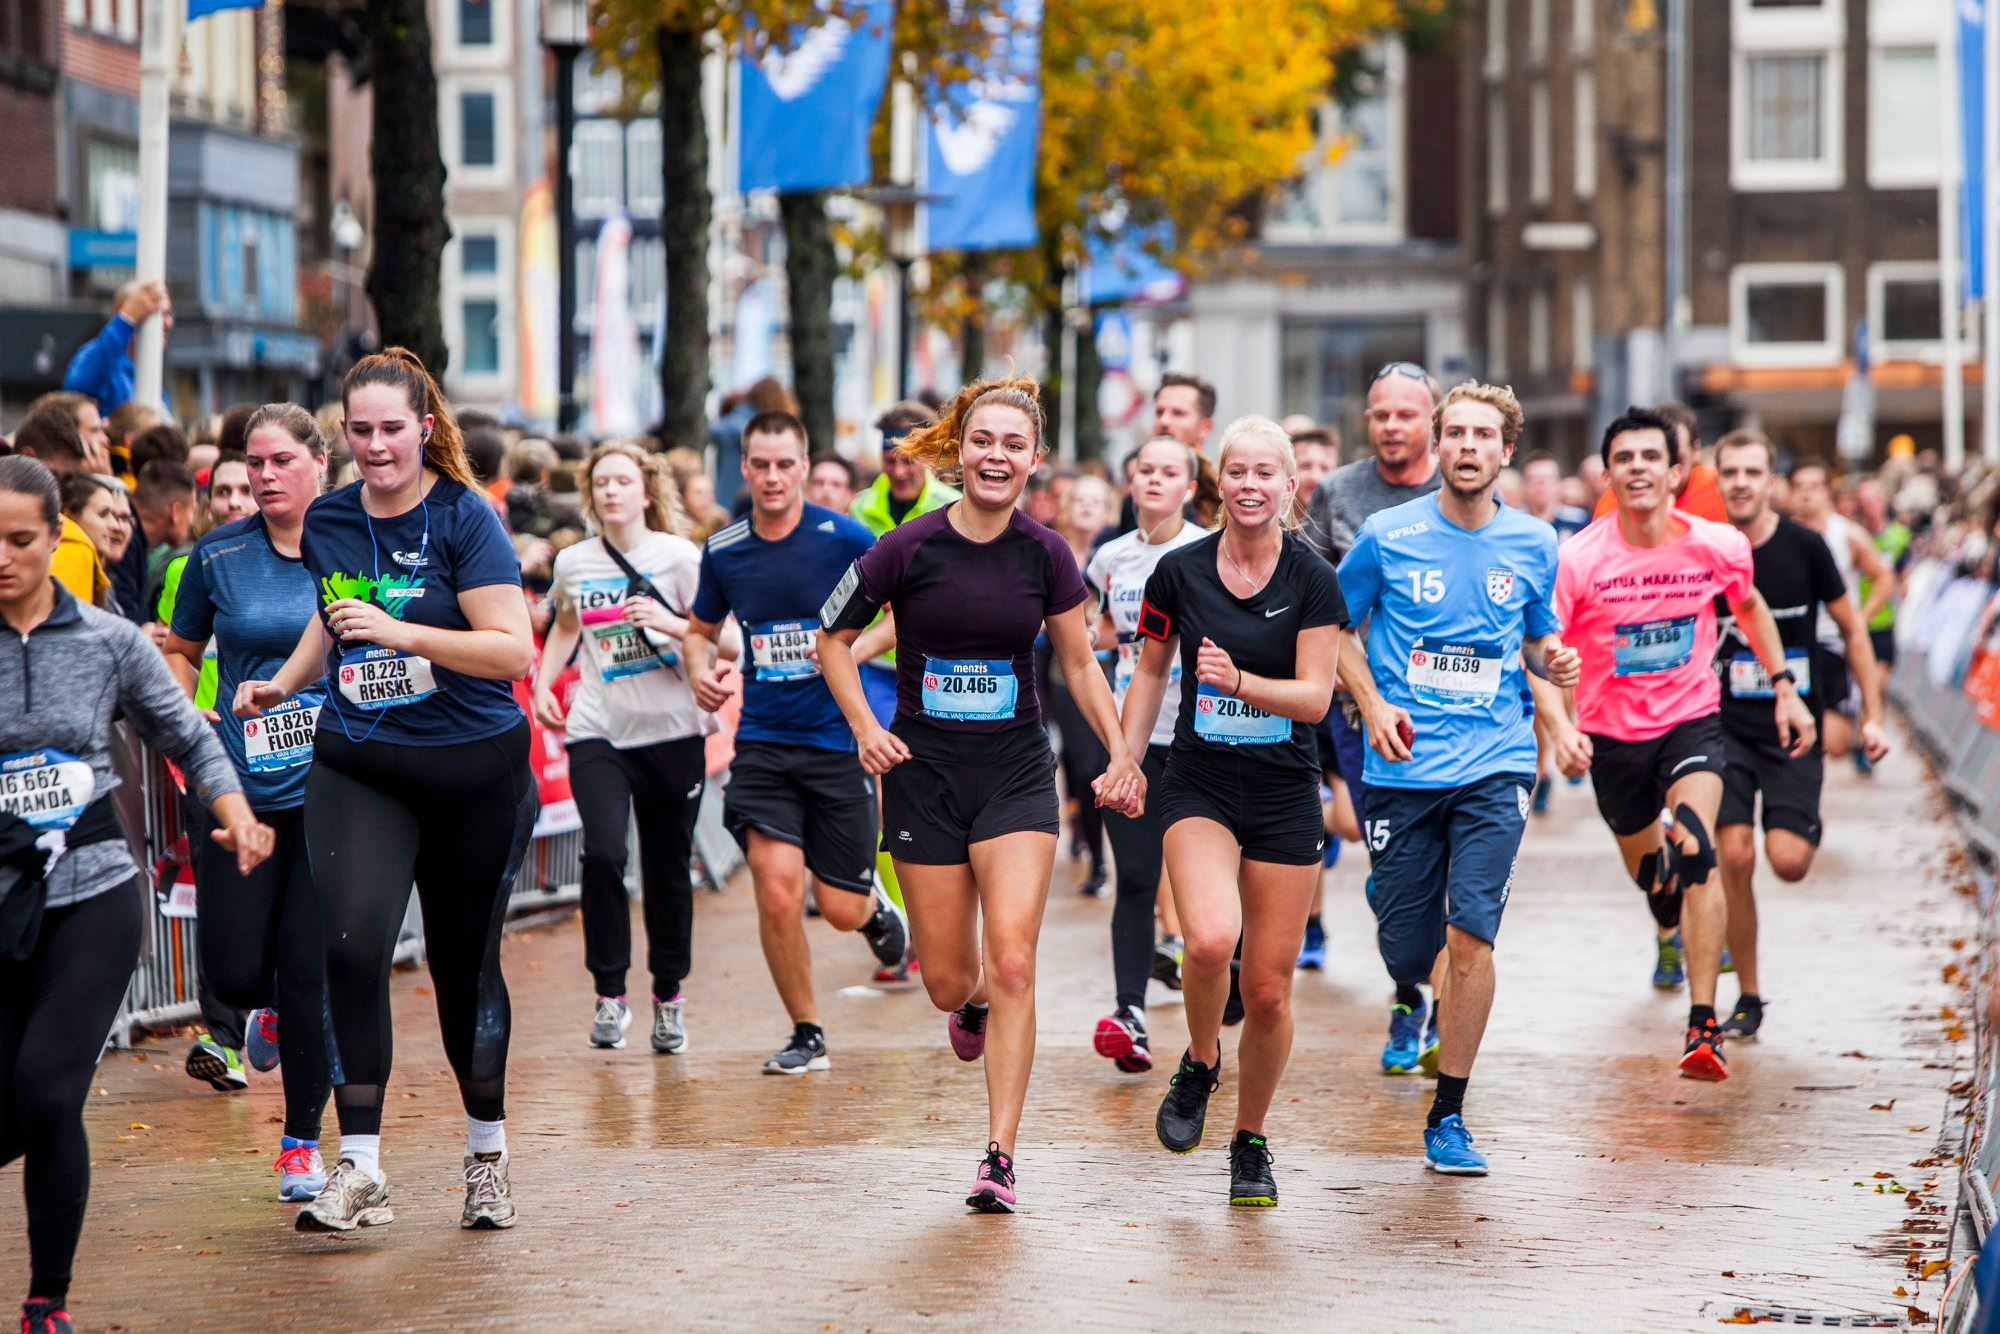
565	32
899	204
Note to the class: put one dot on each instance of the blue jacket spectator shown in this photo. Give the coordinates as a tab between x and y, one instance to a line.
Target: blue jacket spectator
102	367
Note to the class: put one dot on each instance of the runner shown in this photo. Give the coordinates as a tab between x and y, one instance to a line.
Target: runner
1636	594
1456	588
1255	616
635	737
969	802
234	612
70	926
1893	539
1163	482
420	768
1697	493
797	798
1541	488
1797	577
1858	560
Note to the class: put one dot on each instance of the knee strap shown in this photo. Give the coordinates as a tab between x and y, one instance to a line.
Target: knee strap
1647	877
1689	868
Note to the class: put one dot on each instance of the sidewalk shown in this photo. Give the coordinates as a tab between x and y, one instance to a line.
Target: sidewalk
691	1191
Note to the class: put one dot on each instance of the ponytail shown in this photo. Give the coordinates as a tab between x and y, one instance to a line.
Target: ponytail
444	452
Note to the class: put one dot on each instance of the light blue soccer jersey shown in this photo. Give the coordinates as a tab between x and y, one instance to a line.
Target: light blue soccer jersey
1447	609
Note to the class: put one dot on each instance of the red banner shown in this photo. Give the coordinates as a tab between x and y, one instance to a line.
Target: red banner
549	760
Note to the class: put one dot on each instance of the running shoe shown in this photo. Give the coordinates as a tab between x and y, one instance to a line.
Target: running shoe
898	976
614	1016
1863	766
993	1184
1746	1020
1312	954
670	1033
1703	1058
1728	964
1670	968
301	1173
1250	1182
1539	803
1232	1009
42	1316
1427	1057
1167	962
1448	1149
215	1064
1121	1039
488	1204
1184	1111
1093	884
351	1199
1403	1052
805	1052
260	1044
967	1030
887	932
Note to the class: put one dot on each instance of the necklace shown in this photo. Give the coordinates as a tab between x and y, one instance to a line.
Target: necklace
1254	583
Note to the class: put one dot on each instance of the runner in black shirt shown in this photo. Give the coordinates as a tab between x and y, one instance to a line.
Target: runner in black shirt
1255	615
1797	575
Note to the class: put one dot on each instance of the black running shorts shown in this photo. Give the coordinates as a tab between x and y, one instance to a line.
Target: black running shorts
957	789
1790	787
1631	778
1274	814
821	801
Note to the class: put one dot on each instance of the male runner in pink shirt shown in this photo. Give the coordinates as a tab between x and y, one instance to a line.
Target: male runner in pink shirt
1635	592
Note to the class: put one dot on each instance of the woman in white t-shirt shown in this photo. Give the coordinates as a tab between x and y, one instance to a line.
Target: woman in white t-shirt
635	735
1163	482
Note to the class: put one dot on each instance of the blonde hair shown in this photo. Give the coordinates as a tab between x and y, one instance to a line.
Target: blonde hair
936	445
1499	397
1253	428
663	503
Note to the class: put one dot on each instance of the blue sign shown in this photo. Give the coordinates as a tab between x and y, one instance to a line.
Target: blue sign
1972	16
103	250
982	139
1124	268
201	9
809	101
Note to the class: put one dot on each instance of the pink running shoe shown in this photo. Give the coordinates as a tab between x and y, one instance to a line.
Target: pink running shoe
967	1030
1121	1039
993	1187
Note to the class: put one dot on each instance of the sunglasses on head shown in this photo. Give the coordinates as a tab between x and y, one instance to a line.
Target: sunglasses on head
1409	368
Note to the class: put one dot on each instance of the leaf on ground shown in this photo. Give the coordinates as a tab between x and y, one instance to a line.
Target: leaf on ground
1956	1033
1933	1266
1900	1291
1742	1317
1888	1106
140	1125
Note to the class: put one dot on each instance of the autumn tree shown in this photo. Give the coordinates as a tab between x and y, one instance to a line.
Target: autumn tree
406	267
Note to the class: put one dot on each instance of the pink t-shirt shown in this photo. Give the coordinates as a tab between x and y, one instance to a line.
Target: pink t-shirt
1643	620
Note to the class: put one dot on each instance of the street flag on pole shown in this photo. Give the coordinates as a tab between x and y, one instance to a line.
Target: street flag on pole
614	337
1972	126
809	100
201	9
1125	268
982	139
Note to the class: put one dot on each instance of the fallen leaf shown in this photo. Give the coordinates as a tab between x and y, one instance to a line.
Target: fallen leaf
1900	1291
1885	1176
140	1125
1888	1106
1933	1267
1956	1033
1742	1317
1729	1273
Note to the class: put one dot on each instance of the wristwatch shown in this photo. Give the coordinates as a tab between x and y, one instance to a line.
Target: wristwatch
1787	677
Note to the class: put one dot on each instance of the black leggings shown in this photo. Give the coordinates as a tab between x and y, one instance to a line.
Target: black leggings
55	1012
1136	846
457	820
663	782
223	1021
262	943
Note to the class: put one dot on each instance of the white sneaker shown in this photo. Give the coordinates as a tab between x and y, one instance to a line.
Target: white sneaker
613	1018
350	1199
487	1201
669	1032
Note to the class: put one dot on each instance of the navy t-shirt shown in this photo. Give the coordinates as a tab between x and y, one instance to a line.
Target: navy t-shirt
256	603
967	614
414	565
776	590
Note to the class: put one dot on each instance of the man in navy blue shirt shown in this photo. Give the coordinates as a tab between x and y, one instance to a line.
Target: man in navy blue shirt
798	798
1458	590
102	367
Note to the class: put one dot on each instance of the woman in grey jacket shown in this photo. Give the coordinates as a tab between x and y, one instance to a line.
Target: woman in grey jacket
66	671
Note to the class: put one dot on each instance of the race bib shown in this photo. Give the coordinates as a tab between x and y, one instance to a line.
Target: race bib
970	690
1643	648
1228	721
1128	666
622	649
783	650
47	788
384	678
1749	680
283	738
1455	676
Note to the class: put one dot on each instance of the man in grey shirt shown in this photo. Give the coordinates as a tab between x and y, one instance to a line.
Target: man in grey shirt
1401	400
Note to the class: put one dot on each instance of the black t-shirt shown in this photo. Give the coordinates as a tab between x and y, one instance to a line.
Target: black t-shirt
1795	572
1185	596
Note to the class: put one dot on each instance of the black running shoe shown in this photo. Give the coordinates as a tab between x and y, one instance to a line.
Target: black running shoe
806	1052
41	1316
1184	1111
887	932
1748	1018
1167	962
1232	1009
1250	1180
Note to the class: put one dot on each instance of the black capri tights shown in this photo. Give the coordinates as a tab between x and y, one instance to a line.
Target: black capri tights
663	783
455	819
1136	846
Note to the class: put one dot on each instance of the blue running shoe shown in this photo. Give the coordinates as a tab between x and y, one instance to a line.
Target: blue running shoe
1728	964
1312	954
1427	1058
1670	968
260	1044
1404	1049
1448	1149
301	1171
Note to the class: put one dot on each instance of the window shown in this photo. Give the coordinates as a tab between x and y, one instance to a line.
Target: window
644	182
475	22
1903	117
1904	318
478	144
478	255
1584	131
1351	184
1786	314
480	317
1582	26
1325	364
1496	333
1582	327
1538	31
1538	331
586	283
1496	153
1786	95
111	171
598	159
1539	149
1496	38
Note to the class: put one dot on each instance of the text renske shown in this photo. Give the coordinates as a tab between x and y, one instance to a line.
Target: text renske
386	679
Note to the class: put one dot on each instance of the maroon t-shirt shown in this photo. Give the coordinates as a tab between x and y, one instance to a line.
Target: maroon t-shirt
967	615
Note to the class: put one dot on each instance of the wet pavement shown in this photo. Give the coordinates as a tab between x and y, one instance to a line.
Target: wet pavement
693	1192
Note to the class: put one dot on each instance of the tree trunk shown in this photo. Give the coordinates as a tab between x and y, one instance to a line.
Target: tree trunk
1089	375
405	271
809	269
1052	381
972	332
684	220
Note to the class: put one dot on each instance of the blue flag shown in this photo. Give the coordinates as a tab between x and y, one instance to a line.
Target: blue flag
1972	127
809	101
201	9
982	139
1124	268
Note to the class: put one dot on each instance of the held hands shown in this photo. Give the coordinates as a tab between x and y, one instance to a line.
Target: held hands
1386	726
1213	667
715	686
548	710
1874	742
1122	788
1571	752
1562	664
351	618
253	697
1796	729
250	841
882	751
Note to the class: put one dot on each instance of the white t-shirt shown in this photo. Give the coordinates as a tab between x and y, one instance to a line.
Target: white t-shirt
1839	537
1119	570
634	689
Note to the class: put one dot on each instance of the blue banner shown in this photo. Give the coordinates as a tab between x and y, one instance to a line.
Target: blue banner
808	103
1972	129
201	9
1124	268
981	142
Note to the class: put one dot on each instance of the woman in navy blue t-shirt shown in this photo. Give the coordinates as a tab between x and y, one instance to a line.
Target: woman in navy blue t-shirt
420	767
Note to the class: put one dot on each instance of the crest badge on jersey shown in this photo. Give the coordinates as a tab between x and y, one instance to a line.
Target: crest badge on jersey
1499	584
1523	799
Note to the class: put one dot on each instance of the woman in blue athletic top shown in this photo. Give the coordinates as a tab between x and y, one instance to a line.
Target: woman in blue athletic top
420	767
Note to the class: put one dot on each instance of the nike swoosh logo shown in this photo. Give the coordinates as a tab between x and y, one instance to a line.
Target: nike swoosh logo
1279	612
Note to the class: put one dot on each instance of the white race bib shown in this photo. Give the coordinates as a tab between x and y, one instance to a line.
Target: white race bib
385	678
1455	676
783	650
282	738
48	788
1749	680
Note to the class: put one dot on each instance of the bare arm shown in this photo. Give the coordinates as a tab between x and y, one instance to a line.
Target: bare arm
1796	728
710	678
556	649
877	639
300	670
1381	722
1303	699
1121	787
1148	689
880	749
499	645
1861	659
